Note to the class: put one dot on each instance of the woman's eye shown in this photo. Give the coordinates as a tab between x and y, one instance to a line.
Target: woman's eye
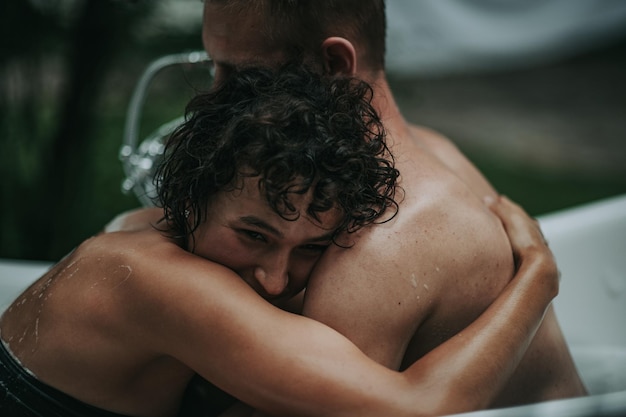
254	235
315	248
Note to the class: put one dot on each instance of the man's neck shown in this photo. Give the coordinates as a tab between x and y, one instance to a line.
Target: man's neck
388	111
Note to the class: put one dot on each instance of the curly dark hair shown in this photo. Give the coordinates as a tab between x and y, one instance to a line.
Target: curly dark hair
297	131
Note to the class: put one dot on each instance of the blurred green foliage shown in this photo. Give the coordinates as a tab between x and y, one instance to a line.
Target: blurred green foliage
540	192
67	71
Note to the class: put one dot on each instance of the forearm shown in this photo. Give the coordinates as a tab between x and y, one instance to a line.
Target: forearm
463	374
289	365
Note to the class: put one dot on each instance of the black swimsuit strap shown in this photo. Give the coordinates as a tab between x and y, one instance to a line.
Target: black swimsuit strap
23	395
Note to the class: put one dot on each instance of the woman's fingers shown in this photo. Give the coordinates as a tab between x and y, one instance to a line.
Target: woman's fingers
524	231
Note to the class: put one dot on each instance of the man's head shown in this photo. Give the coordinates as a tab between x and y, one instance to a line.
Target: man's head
333	36
295	133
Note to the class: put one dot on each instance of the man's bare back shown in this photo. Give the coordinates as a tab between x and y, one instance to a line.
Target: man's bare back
547	370
421	278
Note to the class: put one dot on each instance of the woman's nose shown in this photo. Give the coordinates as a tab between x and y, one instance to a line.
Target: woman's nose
273	280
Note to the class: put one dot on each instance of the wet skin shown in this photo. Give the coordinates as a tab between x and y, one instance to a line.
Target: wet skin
105	325
420	279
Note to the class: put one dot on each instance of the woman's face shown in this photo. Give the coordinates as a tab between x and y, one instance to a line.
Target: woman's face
273	255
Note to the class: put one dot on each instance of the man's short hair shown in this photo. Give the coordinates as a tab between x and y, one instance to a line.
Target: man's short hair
300	26
294	129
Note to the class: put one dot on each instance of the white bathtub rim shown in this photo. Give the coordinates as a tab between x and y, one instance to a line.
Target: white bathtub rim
612	404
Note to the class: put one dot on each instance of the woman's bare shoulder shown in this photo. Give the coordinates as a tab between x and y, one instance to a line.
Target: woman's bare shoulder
134	220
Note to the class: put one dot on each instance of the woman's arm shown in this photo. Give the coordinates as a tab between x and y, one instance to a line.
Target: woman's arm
466	372
287	365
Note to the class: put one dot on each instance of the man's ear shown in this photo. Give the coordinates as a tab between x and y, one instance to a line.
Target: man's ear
339	56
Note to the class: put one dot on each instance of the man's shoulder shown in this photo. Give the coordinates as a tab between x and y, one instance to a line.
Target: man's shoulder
450	222
443	238
449	155
439	234
430	138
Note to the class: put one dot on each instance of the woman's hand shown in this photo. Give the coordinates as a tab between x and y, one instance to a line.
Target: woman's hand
529	246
